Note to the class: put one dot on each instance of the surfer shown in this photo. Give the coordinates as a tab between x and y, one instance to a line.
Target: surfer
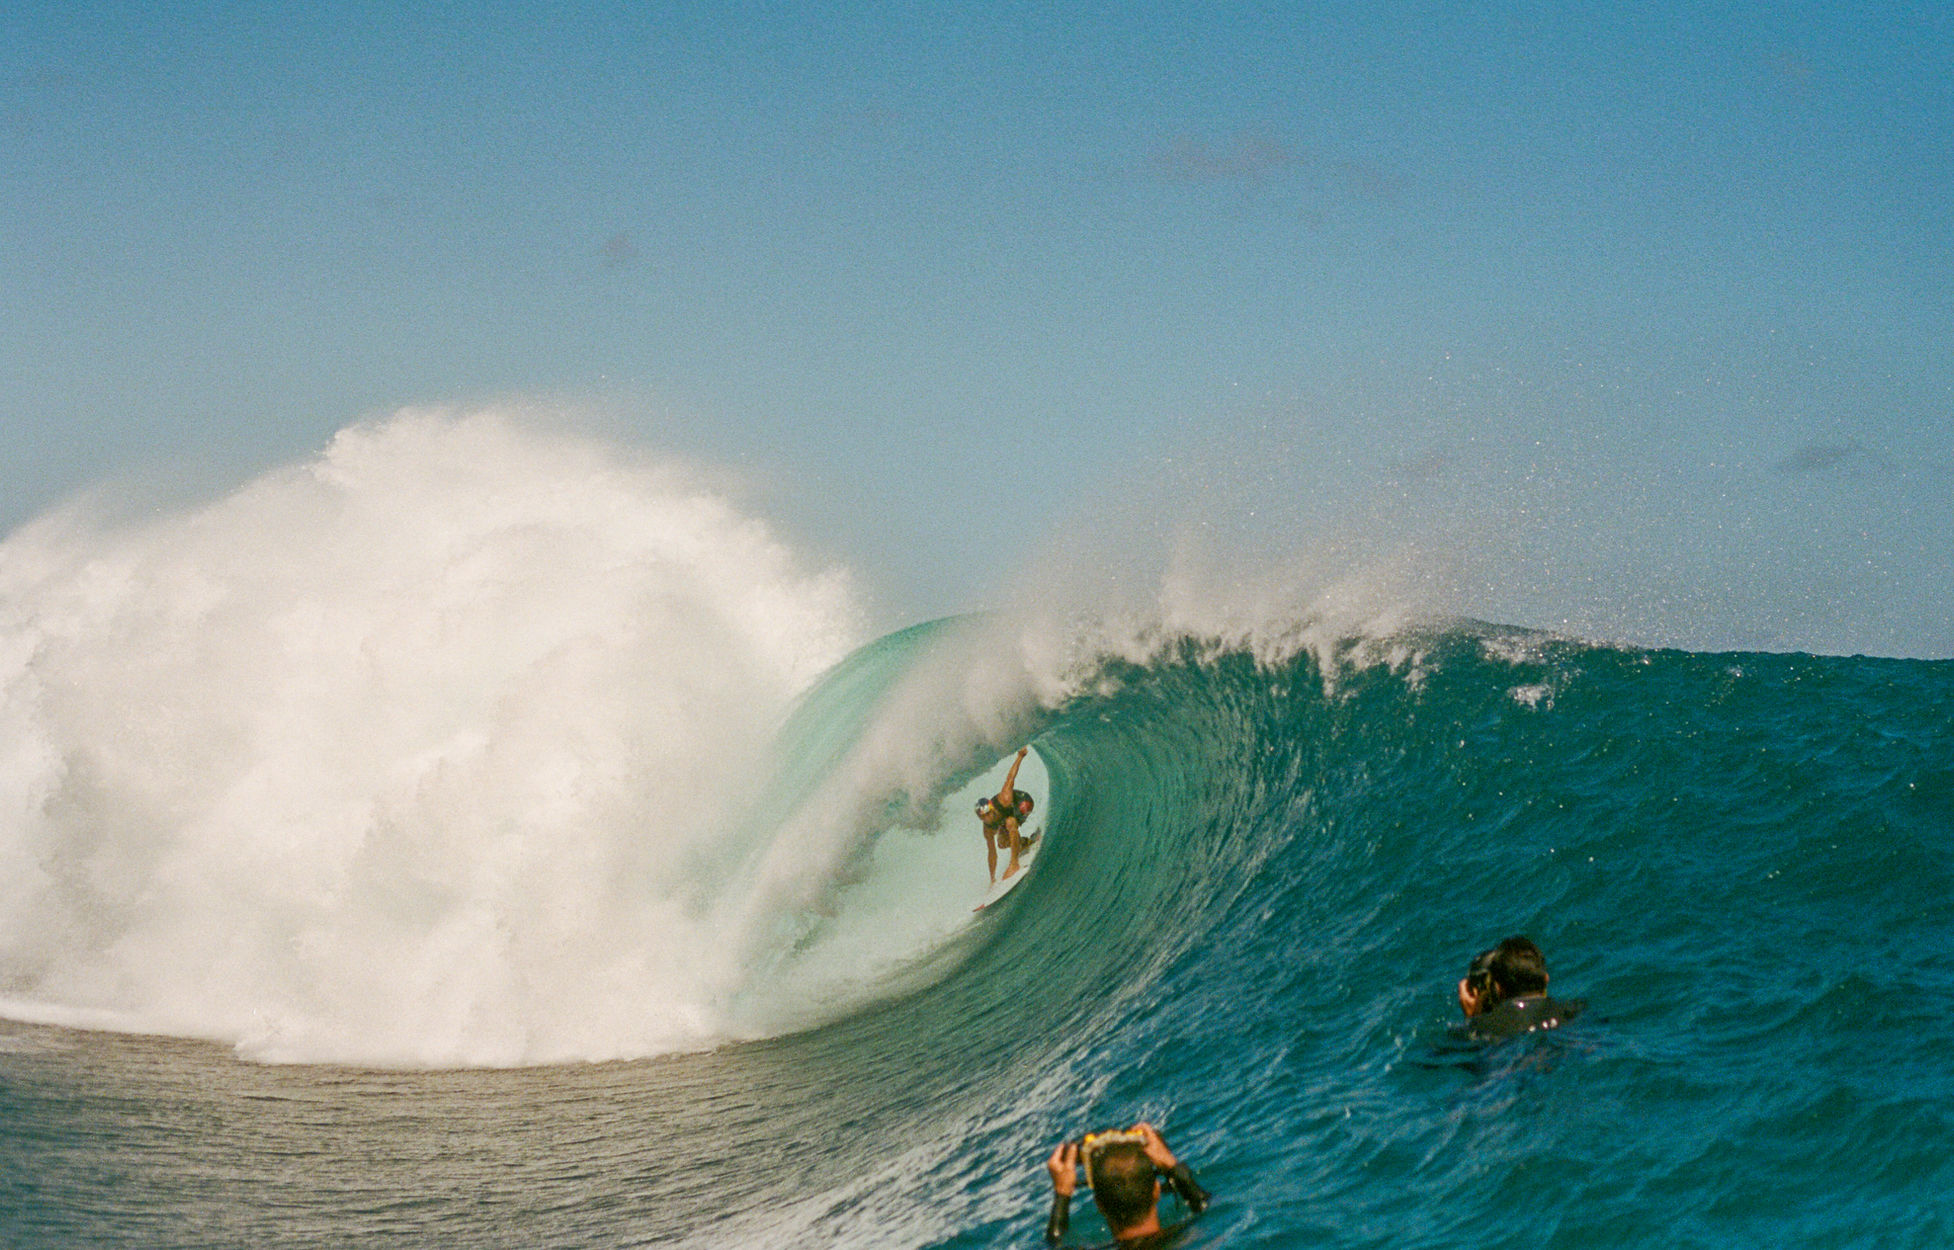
1504	993
1001	816
1124	1170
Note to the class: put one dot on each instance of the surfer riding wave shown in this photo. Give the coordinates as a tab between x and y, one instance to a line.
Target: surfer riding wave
1000	816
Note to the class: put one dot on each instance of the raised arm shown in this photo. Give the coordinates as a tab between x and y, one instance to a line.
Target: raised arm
1064	1169
1177	1173
1007	794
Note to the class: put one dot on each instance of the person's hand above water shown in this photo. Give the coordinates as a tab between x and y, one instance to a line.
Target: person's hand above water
1064	1167
1156	1147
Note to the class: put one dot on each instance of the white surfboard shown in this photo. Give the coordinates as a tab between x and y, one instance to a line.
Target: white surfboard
1004	885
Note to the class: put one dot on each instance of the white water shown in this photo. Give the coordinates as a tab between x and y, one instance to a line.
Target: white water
422	752
442	749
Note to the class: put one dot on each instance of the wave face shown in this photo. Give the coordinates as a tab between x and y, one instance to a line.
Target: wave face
341	812
1266	874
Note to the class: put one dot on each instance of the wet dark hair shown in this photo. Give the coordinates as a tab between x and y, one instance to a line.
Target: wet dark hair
1512	968
1122	1180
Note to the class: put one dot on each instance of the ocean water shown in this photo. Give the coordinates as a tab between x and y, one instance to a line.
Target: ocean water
577	873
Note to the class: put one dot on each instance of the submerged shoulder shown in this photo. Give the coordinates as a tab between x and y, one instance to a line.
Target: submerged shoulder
1528	1014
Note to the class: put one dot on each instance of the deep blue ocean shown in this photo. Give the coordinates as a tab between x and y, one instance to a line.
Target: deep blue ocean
1260	882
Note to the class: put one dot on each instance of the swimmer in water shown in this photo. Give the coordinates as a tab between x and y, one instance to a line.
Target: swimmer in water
1504	993
1124	1170
1001	815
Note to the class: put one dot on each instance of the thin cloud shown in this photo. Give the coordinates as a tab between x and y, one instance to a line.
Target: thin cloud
1250	160
1244	159
1365	180
619	251
1842	459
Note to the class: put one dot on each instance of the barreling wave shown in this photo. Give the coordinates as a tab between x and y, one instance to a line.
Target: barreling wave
1265	868
462	744
466	744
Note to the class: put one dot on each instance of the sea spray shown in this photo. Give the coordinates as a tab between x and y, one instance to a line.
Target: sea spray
411	753
461	744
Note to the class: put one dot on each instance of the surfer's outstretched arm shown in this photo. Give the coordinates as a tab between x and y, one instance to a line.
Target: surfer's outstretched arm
1007	793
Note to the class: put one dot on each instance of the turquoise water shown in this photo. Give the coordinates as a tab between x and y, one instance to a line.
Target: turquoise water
1259	885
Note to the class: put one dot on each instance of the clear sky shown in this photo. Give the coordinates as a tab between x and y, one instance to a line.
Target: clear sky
1660	295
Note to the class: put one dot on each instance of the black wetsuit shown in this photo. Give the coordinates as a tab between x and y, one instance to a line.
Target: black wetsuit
1180	1180
994	816
1528	1013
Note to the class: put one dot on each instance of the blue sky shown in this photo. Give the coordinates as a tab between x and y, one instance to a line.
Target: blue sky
1677	276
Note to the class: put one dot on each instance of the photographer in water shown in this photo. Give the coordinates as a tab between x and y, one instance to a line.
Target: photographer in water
1504	993
1124	1170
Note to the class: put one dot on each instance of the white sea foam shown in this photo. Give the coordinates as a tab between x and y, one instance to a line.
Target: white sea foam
424	751
1533	695
440	748
1346	605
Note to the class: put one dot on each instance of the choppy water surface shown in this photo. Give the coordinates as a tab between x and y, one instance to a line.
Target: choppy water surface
479	957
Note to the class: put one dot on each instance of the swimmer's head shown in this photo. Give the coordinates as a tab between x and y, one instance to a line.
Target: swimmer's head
1124	1183
1513	968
